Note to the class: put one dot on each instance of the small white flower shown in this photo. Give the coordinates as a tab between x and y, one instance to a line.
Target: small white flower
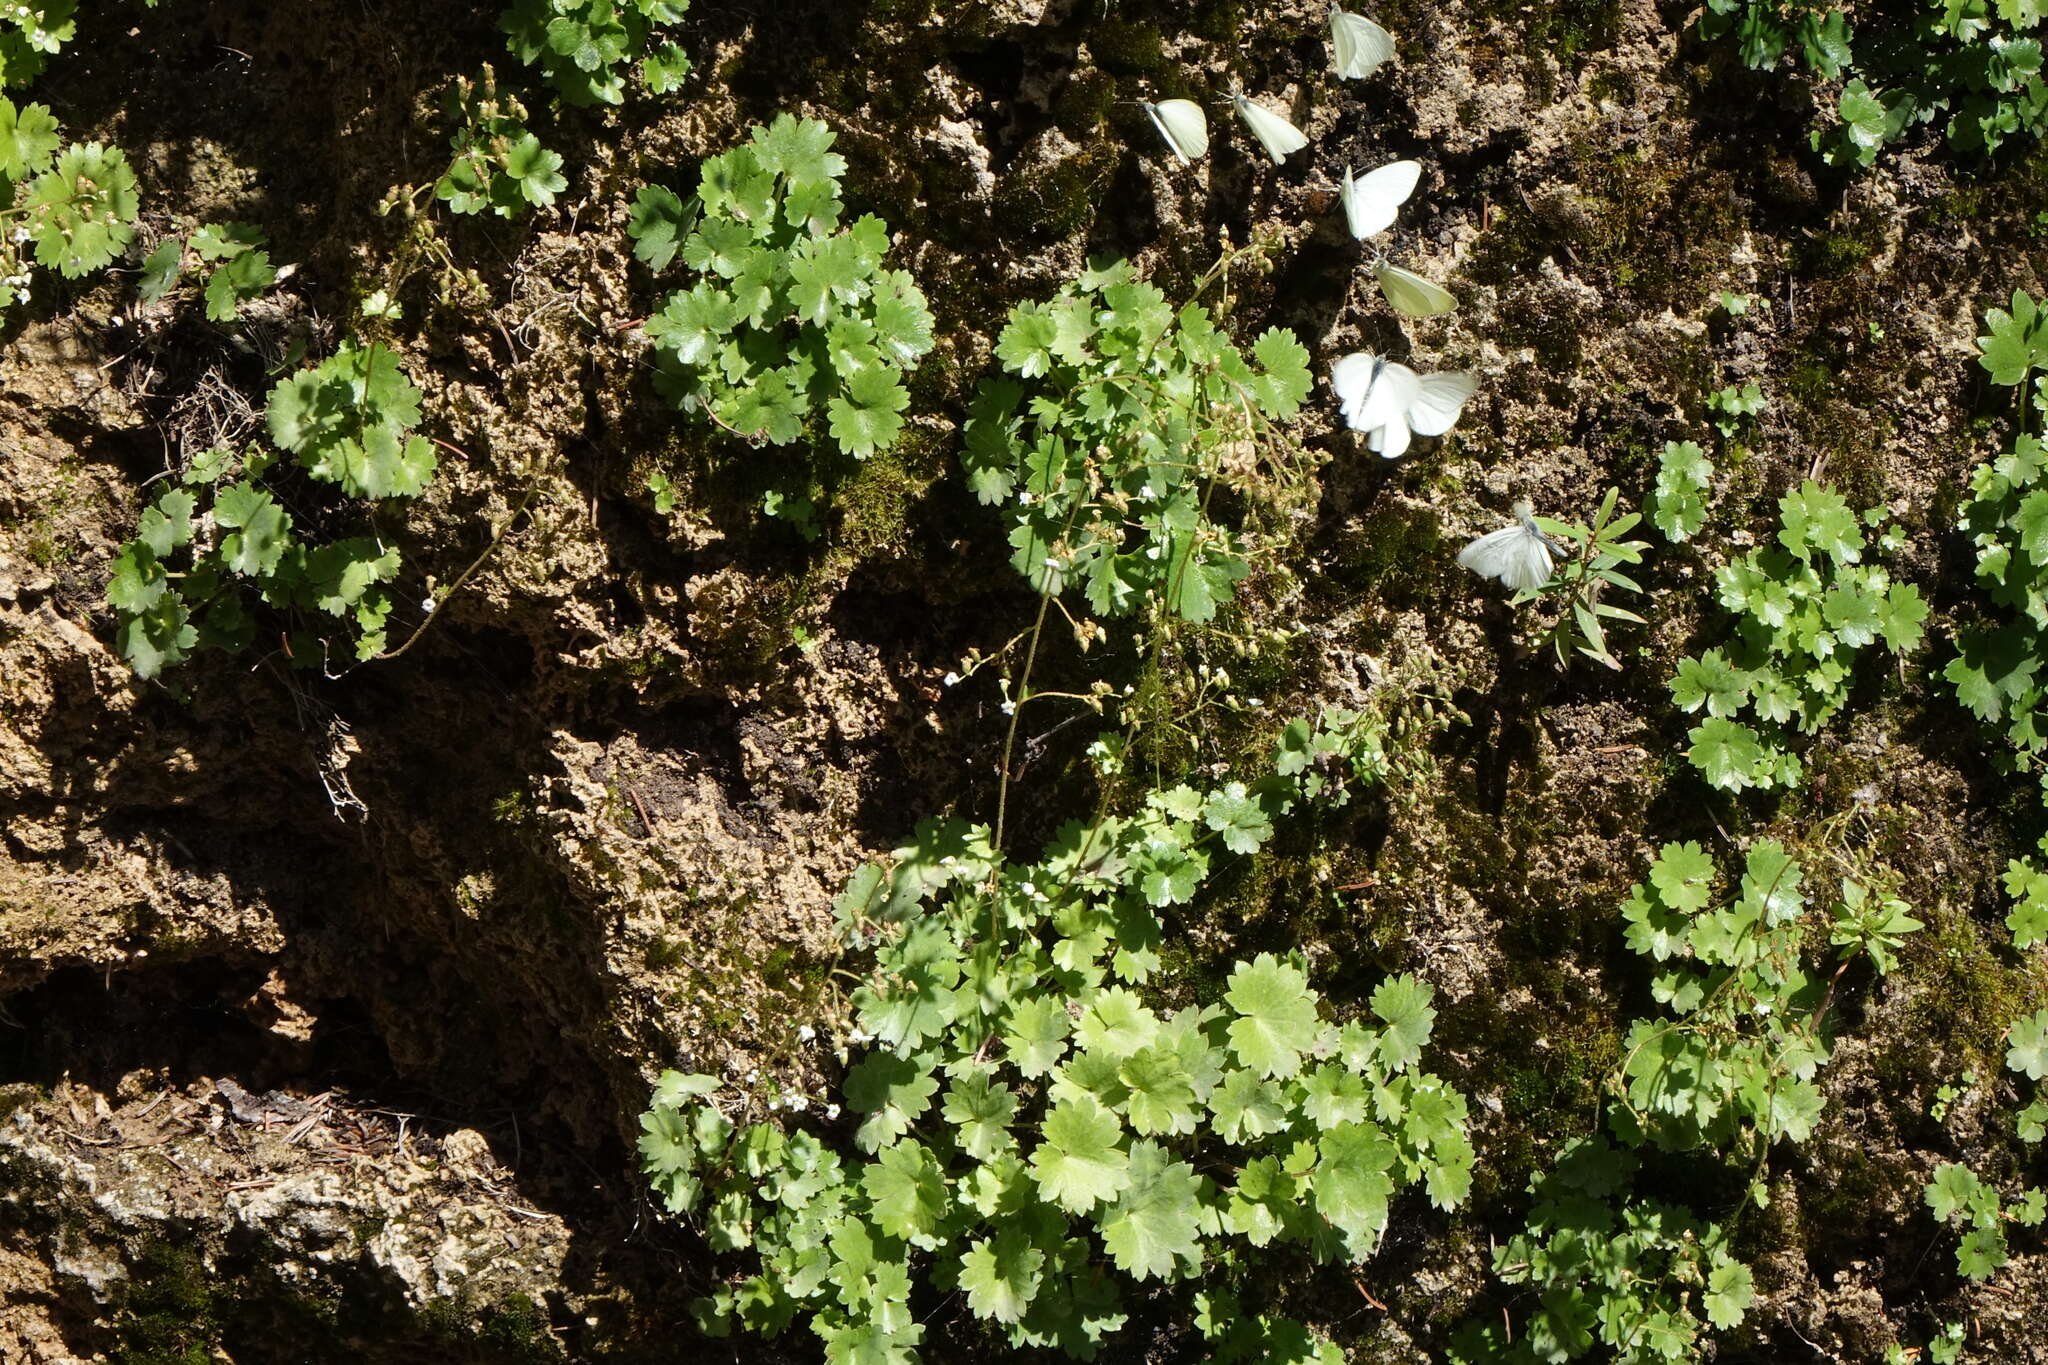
1009	708
1028	889
831	1111
21	234
799	1103
753	1074
806	1033
774	1105
952	680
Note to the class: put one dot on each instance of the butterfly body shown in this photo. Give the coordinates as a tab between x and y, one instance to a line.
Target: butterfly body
1390	402
1518	555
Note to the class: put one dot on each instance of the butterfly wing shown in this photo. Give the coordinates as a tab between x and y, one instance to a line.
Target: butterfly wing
1528	562
1411	294
1372	200
1279	137
1351	376
1386	403
1490	555
1182	124
1389	442
1358	46
1438	402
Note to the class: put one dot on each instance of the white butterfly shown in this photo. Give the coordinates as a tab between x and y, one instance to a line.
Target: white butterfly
1184	126
1518	555
1388	401
1274	132
1372	200
1358	46
1410	293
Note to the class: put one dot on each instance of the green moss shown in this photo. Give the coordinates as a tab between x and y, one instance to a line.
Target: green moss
166	1311
1125	47
1084	103
1048	203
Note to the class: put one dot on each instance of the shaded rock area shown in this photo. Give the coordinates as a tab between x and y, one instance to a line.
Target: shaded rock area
329	1004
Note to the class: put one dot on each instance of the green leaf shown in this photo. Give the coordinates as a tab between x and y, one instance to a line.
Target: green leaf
1899	618
1351	1185
28	139
1276	1019
1035	1034
261	529
1078	1164
243	278
692	325
1286	380
1682	876
1710	680
1162	1094
1730	1291
892	1091
1817	520
1729	754
167	524
216	242
663	69
981	1111
137	581
1116	1024
1245	1108
657	224
907	1193
1982	1252
2016	342
1403	1005
2029	1051
536	169
81	212
1239	817
867	418
1954	1189
160	271
1001	1277
1151	1231
798	149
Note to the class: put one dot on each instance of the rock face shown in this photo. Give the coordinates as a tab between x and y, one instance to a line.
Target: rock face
328	1004
188	1217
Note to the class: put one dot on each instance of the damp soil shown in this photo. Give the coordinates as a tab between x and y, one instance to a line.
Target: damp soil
328	1004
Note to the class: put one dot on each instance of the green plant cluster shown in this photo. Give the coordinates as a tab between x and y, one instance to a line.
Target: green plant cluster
584	47
1997	671
241	267
1803	608
1732	1068
1038	1135
75	208
1678	502
793	319
1972	67
1733	407
224	539
1589	570
1124	427
1610	1268
2027	884
1727	1072
498	165
1958	1196
32	31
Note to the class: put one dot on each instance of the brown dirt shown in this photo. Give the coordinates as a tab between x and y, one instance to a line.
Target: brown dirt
591	826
